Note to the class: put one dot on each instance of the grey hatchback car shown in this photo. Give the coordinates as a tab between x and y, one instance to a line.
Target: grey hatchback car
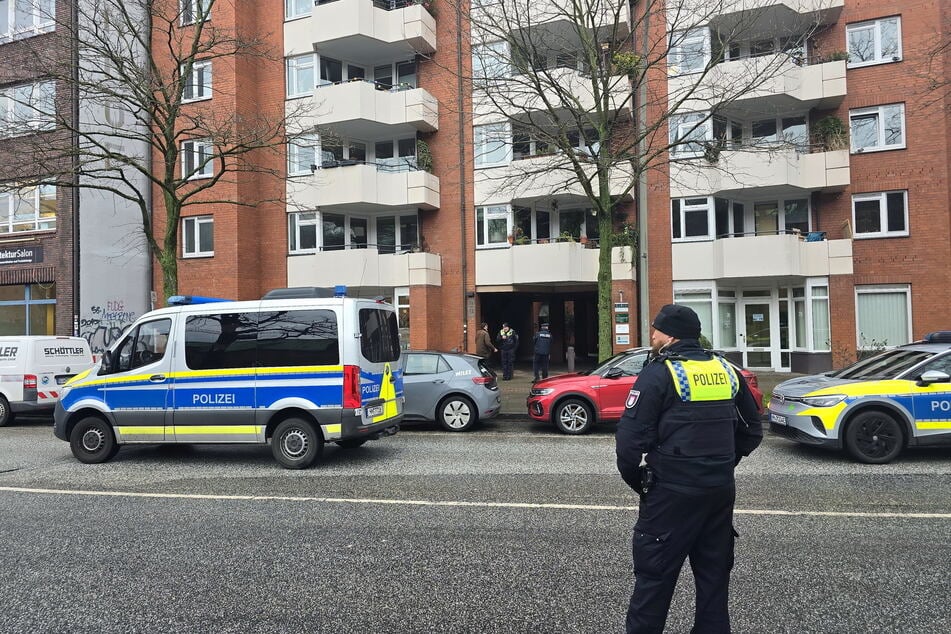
453	389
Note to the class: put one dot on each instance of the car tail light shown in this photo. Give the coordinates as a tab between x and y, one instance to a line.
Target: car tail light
351	386
482	380
29	381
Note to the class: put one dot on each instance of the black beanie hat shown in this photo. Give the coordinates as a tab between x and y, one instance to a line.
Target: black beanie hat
678	321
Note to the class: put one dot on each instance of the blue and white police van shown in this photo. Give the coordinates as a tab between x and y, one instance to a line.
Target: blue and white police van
295	373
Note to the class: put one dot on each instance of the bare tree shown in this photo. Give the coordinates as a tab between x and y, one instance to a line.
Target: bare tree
584	97
137	73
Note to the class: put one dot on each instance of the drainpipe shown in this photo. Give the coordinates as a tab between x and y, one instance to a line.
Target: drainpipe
74	160
643	284
460	87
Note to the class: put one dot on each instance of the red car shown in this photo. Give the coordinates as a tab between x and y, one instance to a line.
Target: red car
574	402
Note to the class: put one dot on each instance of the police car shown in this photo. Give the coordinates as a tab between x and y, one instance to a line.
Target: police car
874	408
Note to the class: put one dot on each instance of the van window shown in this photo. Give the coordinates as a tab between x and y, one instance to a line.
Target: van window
298	337
226	340
379	335
144	345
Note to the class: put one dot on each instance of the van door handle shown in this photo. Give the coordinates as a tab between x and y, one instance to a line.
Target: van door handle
157	378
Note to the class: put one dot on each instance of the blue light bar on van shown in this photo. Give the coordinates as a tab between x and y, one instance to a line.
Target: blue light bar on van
184	300
340	290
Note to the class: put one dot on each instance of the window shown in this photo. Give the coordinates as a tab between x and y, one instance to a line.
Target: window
198	234
379	335
297	8
302	153
298	337
225	340
492	146
689	51
192	11
27	108
28	309
331	71
874	42
882	316
880	214
821	331
300	75
28	209
197	159
689	133
25	18
302	229
490	61
690	218
492	225
881	128
397	234
143	346
197	85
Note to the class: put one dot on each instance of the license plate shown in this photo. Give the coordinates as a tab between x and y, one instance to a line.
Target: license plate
374	410
777	418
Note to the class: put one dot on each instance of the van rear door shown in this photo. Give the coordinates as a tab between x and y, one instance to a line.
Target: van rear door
55	361
381	376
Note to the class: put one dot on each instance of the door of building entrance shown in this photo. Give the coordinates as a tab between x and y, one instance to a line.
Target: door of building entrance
755	335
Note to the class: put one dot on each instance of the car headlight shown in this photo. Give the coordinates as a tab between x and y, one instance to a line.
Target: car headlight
827	400
542	391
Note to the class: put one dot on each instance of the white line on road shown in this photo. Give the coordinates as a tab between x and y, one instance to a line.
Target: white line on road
457	503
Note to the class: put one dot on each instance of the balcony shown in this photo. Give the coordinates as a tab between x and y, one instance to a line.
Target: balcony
756	19
768	83
770	173
546	16
357	109
363	31
364	187
523	95
539	178
366	268
551	264
760	257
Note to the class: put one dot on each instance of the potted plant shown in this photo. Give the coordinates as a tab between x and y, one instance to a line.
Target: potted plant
566	236
831	133
424	158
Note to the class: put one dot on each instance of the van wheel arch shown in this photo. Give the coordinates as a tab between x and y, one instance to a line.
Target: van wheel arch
858	447
284	414
6	414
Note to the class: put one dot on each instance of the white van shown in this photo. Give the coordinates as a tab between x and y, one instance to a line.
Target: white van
33	370
295	373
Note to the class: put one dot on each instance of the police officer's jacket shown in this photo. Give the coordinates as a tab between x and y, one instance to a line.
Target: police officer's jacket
543	342
693	415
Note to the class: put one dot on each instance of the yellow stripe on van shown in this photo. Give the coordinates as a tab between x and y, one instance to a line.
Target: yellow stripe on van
224	372
142	431
217	429
941	424
333	429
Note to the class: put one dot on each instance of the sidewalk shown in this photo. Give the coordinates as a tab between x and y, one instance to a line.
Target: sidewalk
515	391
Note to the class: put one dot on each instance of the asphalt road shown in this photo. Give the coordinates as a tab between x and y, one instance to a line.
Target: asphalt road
510	528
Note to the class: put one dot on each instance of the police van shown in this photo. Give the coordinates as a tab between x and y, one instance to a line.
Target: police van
33	369
294	373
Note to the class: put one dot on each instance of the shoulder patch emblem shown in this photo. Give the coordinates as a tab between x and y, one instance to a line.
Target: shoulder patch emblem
632	398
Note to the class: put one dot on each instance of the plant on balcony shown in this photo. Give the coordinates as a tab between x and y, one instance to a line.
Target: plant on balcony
566	236
625	63
627	237
830	133
836	56
424	158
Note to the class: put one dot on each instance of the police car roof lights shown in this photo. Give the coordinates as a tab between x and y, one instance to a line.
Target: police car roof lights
297	292
186	300
938	336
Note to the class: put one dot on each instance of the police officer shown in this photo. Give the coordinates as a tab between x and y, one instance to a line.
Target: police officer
508	344
689	419
542	343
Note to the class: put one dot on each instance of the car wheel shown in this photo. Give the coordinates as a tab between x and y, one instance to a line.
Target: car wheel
874	437
6	414
296	444
573	416
352	443
92	441
457	413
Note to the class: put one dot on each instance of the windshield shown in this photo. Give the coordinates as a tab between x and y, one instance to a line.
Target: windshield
887	365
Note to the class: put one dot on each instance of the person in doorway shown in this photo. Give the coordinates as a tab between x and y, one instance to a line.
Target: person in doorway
688	420
542	352
508	344
484	347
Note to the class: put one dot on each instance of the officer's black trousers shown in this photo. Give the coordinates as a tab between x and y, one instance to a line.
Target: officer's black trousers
540	366
671	526
508	362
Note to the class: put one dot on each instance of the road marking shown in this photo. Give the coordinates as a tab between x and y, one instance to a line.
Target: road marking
457	503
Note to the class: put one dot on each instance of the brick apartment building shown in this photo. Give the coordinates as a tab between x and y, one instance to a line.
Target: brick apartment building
67	262
793	259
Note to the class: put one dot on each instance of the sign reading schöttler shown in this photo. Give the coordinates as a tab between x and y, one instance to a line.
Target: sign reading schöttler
21	255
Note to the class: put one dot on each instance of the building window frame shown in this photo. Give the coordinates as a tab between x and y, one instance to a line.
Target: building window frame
35	213
198	159
876	34
689	51
489	223
192	11
303	232
29	304
491	60
303	151
40	15
887	215
295	9
27	108
690	133
492	144
881	117
196	86
300	75
197	230
868	342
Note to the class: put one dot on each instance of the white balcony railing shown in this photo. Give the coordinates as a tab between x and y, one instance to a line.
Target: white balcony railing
780	170
364	268
774	256
358	109
551	263
363	186
540	177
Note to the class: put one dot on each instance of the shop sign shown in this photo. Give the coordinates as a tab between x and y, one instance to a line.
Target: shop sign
21	255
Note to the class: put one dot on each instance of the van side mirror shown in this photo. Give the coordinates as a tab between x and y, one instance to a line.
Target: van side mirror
933	376
106	363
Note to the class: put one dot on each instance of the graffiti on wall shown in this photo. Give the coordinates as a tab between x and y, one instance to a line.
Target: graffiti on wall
104	324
